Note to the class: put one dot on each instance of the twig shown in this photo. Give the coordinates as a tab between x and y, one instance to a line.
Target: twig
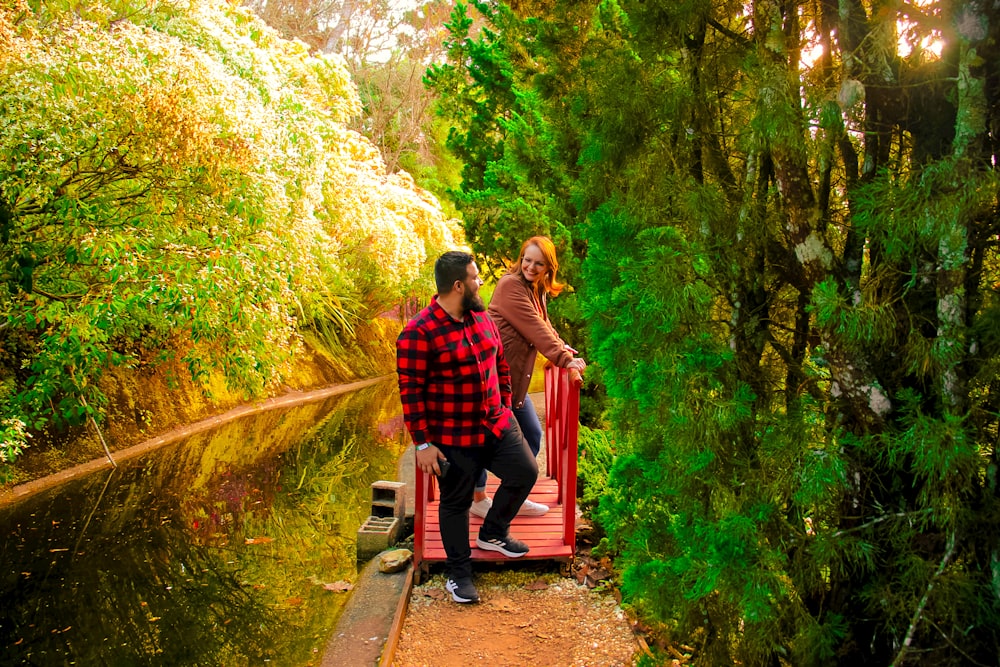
880	519
954	645
923	602
735	36
107	482
99	434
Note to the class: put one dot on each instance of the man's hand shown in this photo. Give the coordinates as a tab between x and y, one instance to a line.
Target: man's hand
427	460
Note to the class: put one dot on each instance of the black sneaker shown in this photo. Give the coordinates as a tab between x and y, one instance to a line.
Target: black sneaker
462	590
508	546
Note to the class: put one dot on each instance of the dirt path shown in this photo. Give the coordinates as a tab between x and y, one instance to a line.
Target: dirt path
527	617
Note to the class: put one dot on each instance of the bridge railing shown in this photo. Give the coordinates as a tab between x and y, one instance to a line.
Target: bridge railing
562	427
562	414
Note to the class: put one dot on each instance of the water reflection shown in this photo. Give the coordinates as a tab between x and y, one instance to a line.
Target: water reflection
218	550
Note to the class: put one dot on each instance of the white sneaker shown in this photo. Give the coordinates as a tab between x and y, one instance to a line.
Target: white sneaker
531	508
481	507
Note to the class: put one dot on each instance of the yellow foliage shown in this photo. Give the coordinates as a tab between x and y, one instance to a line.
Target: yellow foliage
385	216
203	174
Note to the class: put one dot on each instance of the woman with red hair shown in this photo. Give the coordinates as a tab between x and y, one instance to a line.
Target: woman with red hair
519	308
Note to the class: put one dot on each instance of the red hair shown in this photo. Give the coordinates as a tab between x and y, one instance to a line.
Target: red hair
548	283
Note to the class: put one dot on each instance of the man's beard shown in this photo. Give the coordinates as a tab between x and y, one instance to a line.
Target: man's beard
473	303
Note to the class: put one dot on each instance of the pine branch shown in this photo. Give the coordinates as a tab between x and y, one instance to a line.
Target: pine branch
735	36
923	602
880	519
955	646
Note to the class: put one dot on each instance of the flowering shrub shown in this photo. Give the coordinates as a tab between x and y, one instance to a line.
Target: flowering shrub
183	178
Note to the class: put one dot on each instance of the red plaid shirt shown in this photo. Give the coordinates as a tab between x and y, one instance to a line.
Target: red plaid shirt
454	381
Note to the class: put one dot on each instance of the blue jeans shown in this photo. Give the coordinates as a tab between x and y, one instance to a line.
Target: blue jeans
527	419
508	458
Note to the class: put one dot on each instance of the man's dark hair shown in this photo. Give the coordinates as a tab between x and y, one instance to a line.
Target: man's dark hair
451	266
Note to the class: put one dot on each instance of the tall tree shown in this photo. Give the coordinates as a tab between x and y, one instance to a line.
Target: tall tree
386	45
787	216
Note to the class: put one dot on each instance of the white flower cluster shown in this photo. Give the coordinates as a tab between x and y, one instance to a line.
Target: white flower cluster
185	170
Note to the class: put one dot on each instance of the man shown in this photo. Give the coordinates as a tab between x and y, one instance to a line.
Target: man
454	384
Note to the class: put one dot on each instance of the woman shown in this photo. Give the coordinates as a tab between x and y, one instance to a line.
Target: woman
520	311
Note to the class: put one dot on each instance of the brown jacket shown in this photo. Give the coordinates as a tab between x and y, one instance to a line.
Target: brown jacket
525	330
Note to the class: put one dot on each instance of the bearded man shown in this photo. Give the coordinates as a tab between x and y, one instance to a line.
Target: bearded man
454	384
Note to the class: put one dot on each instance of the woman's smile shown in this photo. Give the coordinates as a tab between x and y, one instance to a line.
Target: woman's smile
533	265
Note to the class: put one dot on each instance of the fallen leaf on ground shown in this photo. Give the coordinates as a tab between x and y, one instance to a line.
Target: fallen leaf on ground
339	586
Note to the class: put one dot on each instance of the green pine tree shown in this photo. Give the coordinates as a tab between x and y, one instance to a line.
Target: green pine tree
787	234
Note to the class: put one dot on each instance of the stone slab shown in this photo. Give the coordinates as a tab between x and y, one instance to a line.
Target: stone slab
370	622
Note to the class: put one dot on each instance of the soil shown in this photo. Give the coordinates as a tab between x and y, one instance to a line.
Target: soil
529	615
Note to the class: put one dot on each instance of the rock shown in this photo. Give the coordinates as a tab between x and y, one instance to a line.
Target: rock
394	561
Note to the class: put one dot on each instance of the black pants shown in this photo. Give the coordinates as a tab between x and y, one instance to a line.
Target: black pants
507	457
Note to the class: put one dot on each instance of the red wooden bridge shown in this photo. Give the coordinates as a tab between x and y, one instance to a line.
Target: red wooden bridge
549	537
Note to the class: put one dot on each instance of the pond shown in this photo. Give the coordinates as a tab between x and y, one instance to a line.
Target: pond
231	547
